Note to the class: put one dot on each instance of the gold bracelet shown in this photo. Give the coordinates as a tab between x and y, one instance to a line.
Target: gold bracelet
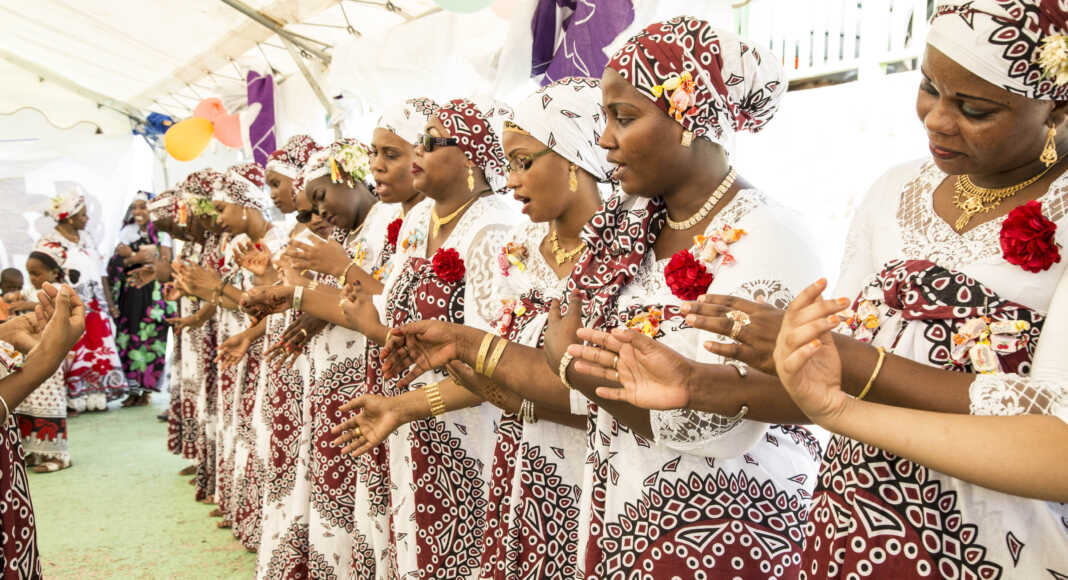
345	274
298	298
562	371
495	357
875	373
434	399
483	350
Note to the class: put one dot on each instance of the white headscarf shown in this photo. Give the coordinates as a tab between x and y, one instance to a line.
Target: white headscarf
408	119
568	118
1018	45
66	205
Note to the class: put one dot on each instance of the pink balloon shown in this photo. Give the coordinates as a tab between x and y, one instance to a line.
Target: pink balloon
228	130
210	109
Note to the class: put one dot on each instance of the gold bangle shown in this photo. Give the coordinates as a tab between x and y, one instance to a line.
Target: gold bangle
345	274
562	371
495	357
434	399
483	350
875	373
298	298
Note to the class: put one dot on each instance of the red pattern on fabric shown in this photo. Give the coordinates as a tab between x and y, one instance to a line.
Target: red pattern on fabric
19	557
476	138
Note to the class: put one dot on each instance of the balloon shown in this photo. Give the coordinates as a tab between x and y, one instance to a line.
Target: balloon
228	130
185	141
210	109
463	5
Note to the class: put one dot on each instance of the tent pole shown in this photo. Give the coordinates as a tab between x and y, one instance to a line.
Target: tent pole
304	70
276	27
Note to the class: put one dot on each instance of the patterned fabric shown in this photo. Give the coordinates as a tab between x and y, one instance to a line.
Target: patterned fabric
706	78
242	185
200	183
575	46
1000	41
65	205
19	557
326	161
473	127
53	249
164	207
567	117
42	419
259	90
291	157
408	120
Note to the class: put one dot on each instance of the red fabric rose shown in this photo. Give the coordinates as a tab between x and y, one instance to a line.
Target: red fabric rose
1027	238
448	265
687	277
393	232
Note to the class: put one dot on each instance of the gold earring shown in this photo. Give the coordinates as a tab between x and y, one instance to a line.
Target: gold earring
1049	152
572	178
470	178
687	138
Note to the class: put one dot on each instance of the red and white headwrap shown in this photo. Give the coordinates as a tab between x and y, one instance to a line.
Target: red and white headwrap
291	157
473	128
242	185
65	205
1018	45
706	78
408	119
54	250
200	183
164	206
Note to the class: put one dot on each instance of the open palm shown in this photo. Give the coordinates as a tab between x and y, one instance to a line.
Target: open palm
652	375
376	419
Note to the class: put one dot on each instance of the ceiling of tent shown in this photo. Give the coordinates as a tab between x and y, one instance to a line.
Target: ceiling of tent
164	55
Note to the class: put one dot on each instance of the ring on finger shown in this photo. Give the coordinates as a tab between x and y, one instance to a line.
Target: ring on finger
615	361
304	333
357	432
740	320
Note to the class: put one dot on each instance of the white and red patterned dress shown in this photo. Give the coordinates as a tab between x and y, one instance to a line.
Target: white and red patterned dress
440	466
709	496
878	515
532	519
19	557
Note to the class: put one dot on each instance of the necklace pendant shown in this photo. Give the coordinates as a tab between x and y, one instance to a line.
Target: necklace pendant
962	221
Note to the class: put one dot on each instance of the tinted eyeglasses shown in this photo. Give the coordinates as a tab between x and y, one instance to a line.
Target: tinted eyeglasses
305	216
523	161
430	142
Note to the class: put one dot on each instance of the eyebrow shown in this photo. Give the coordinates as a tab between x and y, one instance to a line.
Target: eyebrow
967	96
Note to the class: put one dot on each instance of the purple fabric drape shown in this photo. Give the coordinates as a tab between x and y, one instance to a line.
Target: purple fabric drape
590	26
261	132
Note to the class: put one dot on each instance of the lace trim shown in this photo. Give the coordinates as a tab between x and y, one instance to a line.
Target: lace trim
997	394
927	236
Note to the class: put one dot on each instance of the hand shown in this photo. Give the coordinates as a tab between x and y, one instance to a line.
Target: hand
196	280
427	344
171	293
261	301
561	332
123	251
114	311
232	350
359	309
651	375
253	257
142	276
376	418
23	332
294	339
808	362
327	257
182	323
144	255
46	302
67	322
755	342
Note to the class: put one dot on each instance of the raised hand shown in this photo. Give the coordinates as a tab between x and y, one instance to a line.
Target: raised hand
294	339
67	321
427	344
327	257
376	417
253	257
142	276
651	375
561	331
232	350
196	280
261	301
807	361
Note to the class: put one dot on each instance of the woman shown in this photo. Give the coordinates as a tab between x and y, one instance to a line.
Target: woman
142	328
943	291
42	416
532	516
94	374
25	363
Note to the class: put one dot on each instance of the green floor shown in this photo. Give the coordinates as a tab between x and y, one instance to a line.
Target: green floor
122	510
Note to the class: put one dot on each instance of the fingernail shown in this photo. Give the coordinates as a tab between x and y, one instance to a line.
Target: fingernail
690	319
822	281
834	319
814	344
685	308
843	301
702	298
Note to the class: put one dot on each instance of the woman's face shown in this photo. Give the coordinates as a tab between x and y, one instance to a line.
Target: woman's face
975	127
139	212
281	192
436	171
391	165
232	218
543	188
39	273
337	203
641	140
317	224
79	220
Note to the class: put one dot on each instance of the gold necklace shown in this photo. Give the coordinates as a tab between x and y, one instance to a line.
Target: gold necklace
438	222
702	213
971	199
562	256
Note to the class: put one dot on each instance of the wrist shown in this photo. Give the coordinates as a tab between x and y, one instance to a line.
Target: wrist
413	406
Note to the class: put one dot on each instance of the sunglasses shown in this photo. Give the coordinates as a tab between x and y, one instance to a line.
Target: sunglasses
305	216
430	142
523	162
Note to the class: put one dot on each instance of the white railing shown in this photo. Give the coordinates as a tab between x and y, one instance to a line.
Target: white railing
817	38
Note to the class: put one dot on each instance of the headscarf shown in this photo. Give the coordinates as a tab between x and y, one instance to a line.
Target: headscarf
1017	45
706	78
477	139
200	183
164	206
66	205
408	119
242	185
54	250
291	157
345	161
568	118
141	195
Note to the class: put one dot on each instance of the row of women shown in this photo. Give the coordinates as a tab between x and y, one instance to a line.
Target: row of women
625	388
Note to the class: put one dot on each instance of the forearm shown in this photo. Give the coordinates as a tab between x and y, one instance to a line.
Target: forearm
637	420
106	284
520	370
204	314
256	331
722	390
414	405
901	382
324	303
38	365
1022	455
230	297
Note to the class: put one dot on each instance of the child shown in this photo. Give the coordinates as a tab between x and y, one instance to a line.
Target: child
14	300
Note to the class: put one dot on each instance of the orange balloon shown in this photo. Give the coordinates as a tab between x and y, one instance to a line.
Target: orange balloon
210	109
185	141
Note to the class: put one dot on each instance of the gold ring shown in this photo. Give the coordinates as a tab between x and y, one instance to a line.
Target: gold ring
740	320
389	334
615	361
617	376
357	432
304	332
